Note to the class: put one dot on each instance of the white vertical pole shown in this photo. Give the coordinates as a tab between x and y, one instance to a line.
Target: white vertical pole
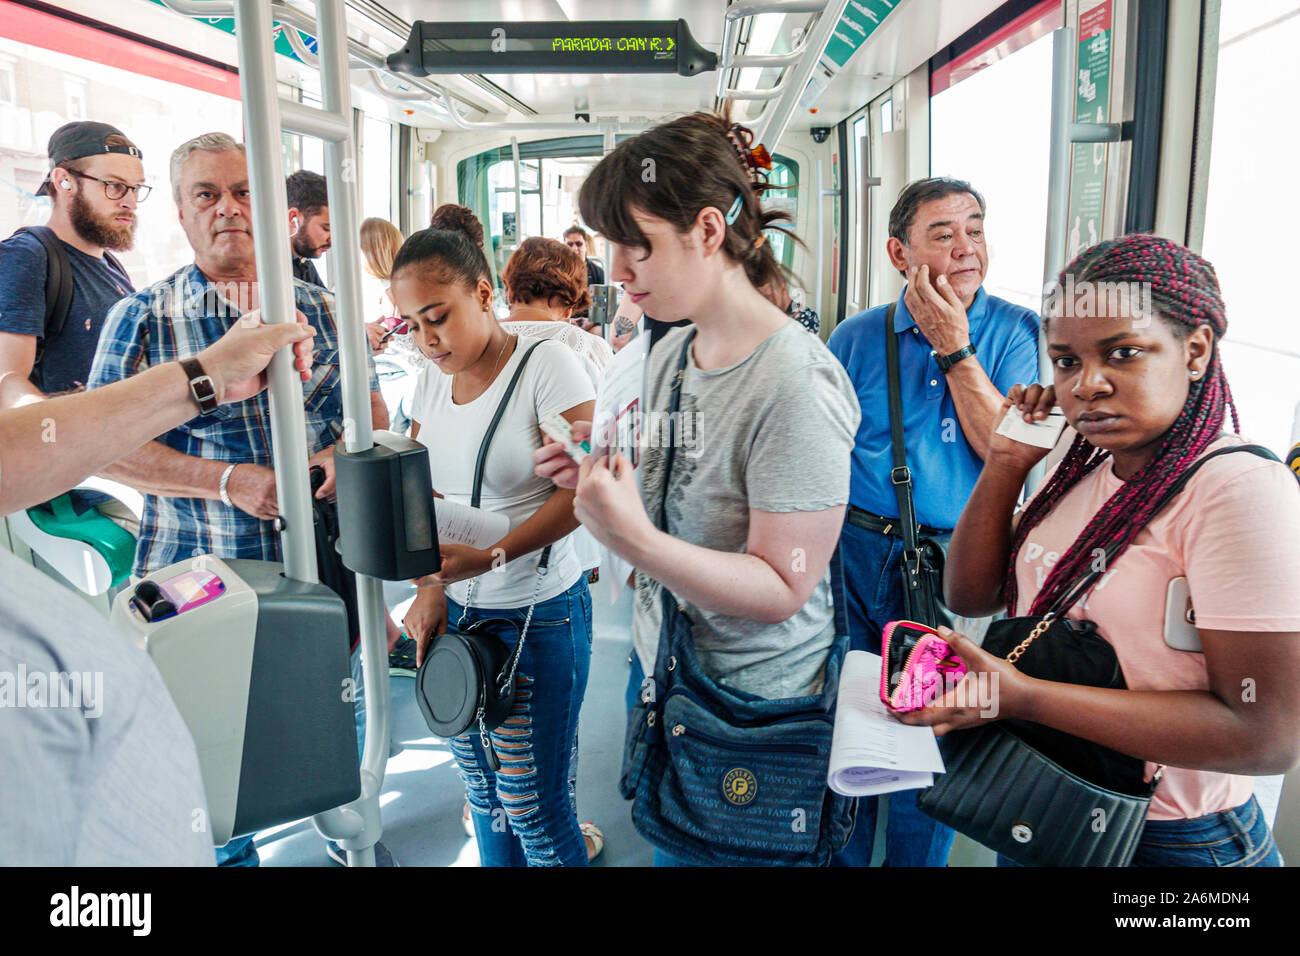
275	282
358	434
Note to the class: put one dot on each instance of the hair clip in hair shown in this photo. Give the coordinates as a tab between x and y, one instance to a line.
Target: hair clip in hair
734	212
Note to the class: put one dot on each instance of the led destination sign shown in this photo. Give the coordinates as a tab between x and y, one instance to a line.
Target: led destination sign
597	46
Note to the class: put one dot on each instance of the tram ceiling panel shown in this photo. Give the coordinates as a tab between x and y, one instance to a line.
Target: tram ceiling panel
905	40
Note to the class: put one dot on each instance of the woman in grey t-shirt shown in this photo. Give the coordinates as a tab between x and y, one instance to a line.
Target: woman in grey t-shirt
760	478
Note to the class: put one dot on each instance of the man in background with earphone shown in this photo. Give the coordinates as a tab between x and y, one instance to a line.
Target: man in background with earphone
309	223
47	342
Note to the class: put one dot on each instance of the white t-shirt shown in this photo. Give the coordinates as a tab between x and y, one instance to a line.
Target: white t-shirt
595	354
553	381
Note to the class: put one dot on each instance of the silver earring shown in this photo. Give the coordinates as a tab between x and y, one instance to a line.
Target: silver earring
1195	374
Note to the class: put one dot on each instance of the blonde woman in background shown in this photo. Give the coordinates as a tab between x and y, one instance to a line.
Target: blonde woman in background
380	240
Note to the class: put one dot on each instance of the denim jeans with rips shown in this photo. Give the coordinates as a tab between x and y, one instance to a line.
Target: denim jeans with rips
523	814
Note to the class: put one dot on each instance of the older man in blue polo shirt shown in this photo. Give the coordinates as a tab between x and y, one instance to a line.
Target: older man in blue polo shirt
960	350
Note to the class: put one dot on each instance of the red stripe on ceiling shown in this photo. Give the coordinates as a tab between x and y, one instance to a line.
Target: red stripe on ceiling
1017	33
25	25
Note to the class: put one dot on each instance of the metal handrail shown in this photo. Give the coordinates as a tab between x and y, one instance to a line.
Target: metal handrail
727	60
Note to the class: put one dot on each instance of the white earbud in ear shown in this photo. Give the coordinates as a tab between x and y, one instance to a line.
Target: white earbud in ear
65	184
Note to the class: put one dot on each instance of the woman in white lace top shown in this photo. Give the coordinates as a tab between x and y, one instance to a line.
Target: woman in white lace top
546	282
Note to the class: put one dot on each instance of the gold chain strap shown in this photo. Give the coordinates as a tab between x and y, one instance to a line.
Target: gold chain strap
1039	629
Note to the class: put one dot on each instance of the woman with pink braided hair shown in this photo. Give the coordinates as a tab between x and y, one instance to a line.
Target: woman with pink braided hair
1133	332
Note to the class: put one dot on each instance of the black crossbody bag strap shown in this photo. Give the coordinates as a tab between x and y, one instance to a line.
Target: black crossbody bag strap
900	476
674	405
477	495
1071	597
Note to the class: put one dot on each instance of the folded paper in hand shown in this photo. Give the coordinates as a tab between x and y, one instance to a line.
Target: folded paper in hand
872	752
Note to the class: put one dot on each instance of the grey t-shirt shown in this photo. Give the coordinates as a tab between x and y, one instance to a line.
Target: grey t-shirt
102	772
773	432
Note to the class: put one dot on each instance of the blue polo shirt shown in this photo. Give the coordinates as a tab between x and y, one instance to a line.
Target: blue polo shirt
944	466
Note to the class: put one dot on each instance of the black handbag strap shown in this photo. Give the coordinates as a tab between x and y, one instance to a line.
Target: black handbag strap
669	602
477	494
1069	598
900	476
674	404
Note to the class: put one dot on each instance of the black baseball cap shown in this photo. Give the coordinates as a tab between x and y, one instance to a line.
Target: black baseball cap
83	138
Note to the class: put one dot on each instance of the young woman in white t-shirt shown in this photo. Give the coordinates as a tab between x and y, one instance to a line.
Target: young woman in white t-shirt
442	289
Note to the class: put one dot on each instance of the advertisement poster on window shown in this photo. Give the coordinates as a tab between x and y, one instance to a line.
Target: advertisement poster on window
1091	105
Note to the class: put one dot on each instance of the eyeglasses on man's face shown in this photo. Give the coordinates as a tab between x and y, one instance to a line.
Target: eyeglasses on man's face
116	190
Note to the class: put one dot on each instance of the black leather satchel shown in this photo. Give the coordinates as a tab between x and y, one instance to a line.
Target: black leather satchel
1035	794
922	567
468	675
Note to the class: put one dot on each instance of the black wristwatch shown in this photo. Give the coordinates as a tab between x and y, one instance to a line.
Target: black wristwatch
946	362
201	386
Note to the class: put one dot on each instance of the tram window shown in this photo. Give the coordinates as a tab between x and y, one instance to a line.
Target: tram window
377	168
887	116
7	93
1251	149
993	130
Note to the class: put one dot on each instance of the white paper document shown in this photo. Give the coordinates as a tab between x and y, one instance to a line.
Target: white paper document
462	524
1044	434
618	427
871	751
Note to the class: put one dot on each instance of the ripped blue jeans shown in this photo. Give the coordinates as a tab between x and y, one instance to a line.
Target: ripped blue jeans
523	814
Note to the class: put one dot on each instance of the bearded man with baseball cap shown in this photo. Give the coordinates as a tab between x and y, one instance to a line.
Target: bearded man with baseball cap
49	329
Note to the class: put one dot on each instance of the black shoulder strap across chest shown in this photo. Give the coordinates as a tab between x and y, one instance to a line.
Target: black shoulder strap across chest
492	426
900	476
58	283
674	403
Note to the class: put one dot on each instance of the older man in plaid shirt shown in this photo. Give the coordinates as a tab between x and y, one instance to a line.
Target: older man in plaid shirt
209	486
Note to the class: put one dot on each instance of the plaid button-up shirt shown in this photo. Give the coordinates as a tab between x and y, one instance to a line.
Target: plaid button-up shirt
175	319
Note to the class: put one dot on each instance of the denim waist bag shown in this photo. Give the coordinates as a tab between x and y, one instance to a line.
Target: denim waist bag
719	777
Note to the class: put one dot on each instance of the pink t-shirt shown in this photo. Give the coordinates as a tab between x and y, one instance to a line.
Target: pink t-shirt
1234	533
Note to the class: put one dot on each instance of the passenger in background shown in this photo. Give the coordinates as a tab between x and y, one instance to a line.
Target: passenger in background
95	180
444	293
546	284
756	395
576	238
778	293
208	484
380	240
1217	702
309	223
959	350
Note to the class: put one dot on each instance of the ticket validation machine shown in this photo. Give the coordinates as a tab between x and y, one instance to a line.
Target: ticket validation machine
257	664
